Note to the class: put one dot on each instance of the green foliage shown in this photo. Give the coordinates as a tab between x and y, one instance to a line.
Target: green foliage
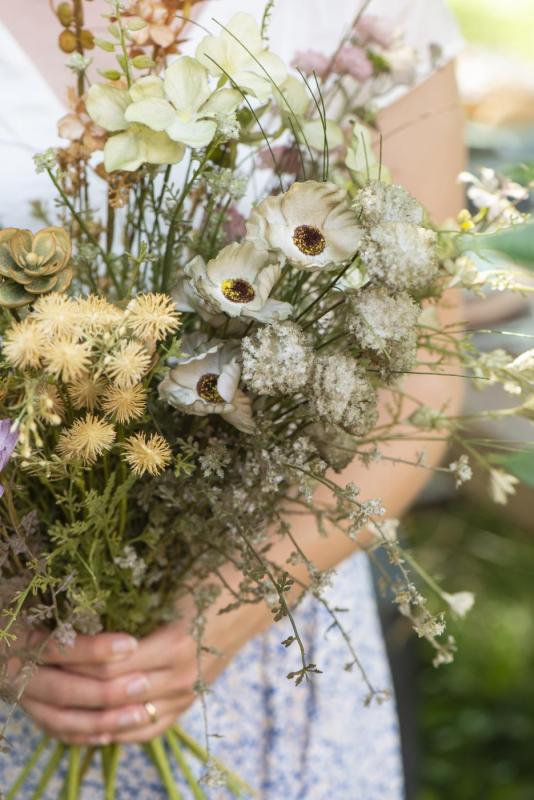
516	243
476	715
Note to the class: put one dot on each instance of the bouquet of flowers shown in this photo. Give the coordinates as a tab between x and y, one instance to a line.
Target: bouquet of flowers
177	373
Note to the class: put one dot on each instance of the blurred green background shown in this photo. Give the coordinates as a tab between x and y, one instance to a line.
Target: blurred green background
473	732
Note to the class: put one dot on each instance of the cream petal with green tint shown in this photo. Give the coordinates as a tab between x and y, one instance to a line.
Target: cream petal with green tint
222	102
186	84
193	134
149	86
122	152
158	148
106	106
155	112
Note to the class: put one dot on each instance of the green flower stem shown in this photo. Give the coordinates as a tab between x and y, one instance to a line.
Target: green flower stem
197	792
110	763
235	784
81	222
156	751
73	774
21	780
50	769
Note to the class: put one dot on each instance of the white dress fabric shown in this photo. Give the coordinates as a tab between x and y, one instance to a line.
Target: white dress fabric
316	741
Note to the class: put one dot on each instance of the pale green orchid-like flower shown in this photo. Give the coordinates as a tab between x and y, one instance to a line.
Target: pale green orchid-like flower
183	105
294	101
362	160
133	144
239	53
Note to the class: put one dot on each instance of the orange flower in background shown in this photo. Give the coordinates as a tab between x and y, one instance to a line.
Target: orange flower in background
164	23
77	125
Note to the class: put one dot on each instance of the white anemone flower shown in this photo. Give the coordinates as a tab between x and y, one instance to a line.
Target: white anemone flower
184	106
206	381
311	225
239	53
133	144
237	282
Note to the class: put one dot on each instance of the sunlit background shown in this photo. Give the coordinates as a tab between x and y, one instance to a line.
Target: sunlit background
470	737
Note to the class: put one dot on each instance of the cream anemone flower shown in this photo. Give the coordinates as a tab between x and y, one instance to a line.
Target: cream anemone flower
311	225
239	53
206	381
133	144
185	108
237	283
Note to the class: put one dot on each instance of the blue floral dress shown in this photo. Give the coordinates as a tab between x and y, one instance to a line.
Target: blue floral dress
311	742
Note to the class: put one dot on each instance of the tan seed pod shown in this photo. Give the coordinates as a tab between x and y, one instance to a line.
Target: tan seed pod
67	41
87	40
65	14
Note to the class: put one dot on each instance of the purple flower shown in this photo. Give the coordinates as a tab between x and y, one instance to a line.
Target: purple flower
8	441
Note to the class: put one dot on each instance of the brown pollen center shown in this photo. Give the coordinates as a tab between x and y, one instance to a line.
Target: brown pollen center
207	388
309	240
237	290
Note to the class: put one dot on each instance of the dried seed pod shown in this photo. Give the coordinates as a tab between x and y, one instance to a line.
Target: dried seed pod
65	14
67	41
87	40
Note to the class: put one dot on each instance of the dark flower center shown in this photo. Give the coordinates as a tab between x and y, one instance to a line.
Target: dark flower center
309	240
207	388
237	290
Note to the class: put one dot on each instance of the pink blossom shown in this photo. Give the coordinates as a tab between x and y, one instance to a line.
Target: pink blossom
310	61
352	60
377	30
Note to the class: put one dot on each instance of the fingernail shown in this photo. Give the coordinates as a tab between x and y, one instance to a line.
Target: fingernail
123	646
130	718
138	686
104	739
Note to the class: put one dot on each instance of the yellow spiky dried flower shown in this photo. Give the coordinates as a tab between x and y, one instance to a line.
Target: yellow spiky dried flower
124	404
24	344
147	453
67	358
87	439
86	391
127	364
95	314
152	316
56	315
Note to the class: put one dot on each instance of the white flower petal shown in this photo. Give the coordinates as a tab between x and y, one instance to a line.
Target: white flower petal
241	416
149	86
158	148
123	152
194	134
106	106
186	84
155	112
222	102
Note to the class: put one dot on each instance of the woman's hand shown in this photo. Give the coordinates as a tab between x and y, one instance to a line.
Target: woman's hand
95	692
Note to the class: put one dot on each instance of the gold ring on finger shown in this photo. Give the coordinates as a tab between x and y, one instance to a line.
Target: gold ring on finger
152	713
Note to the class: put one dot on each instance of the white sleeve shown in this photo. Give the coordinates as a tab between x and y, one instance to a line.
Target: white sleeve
424	24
